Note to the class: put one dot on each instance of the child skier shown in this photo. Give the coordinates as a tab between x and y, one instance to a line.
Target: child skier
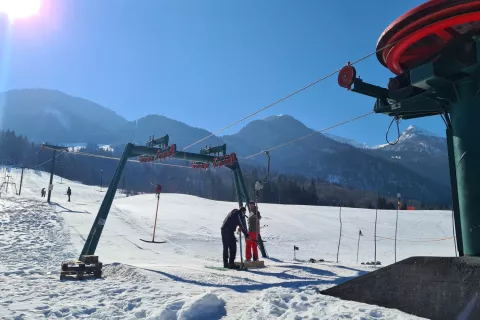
253	225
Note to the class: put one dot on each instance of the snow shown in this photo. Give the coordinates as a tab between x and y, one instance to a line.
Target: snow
333	178
414	139
411	129
106	147
170	281
76	147
282	303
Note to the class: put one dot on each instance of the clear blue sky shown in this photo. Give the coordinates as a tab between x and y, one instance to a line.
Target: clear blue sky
206	63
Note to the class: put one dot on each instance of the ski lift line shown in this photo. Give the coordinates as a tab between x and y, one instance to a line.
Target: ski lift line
418	239
433	240
114	158
402	239
311	134
294	93
41	164
365	230
405	239
363	239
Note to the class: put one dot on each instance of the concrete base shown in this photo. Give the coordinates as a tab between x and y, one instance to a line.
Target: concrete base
429	287
252	264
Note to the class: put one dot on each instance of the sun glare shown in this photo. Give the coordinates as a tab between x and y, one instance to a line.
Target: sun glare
20	9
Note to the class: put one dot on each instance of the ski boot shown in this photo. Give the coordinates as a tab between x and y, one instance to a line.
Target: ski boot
232	266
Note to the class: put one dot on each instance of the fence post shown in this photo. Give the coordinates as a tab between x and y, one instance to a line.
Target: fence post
21	181
396	228
375	232
358	245
340	238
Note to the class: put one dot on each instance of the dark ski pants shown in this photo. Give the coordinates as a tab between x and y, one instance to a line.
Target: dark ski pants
68	198
229	245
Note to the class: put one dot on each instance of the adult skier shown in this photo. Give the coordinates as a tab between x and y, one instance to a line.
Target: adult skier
69	193
251	244
231	222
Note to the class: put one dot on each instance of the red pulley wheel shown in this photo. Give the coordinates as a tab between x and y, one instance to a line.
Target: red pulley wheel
423	32
346	76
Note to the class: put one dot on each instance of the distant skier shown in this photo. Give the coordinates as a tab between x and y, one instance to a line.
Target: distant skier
251	244
43	192
69	193
231	222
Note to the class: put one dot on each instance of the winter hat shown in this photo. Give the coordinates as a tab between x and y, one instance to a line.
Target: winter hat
243	209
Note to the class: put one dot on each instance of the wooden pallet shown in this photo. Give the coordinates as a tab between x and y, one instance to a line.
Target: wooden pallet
87	267
252	264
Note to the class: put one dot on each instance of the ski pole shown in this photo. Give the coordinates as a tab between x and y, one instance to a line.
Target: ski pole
241	254
156	215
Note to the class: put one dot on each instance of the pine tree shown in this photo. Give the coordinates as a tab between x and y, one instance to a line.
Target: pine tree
313	193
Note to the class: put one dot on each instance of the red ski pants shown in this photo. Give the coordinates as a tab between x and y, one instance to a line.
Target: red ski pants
251	246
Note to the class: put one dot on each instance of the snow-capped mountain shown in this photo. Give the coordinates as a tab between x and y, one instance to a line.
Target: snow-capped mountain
335	161
412	139
328	157
356	144
418	140
420	150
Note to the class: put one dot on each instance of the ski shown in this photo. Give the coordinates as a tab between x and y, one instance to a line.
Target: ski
224	269
218	268
150	241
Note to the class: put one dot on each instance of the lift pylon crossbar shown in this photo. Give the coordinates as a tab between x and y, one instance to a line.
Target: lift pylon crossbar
131	150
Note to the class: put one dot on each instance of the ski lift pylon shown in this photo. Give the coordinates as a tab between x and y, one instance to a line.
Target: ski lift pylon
267	177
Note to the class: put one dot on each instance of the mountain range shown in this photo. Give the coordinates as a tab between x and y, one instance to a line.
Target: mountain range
421	173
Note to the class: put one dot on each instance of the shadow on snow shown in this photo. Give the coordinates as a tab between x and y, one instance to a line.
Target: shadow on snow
68	210
242	288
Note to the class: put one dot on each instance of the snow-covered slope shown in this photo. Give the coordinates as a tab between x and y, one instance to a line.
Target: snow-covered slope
170	281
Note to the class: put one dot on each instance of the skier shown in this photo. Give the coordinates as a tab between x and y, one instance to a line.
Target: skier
251	244
69	193
43	192
231	222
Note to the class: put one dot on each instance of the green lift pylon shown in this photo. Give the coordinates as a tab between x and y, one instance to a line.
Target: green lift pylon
434	52
437	68
241	189
149	153
54	155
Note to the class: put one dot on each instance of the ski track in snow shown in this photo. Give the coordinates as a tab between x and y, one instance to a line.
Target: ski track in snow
151	281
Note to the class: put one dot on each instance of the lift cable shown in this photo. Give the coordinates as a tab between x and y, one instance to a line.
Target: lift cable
311	134
41	164
382	238
292	94
248	157
114	158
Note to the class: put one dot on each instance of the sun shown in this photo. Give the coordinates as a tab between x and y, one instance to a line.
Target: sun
20	9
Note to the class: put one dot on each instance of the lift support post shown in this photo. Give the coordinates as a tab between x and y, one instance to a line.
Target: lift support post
448	86
434	52
147	153
55	149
